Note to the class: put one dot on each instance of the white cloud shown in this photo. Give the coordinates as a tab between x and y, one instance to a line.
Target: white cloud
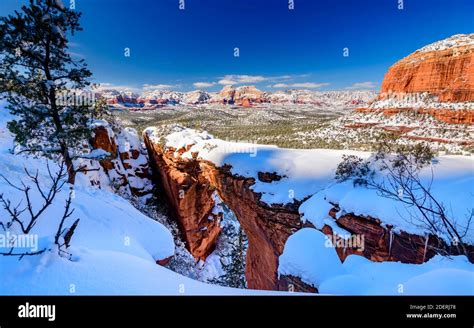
362	85
282	77
304	85
251	79
241	79
203	84
110	86
227	82
280	85
148	87
309	85
234	79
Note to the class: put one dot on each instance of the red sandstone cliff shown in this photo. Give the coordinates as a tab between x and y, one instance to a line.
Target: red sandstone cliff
444	69
437	80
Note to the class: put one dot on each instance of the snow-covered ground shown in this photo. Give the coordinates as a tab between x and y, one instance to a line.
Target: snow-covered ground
304	171
418	100
362	130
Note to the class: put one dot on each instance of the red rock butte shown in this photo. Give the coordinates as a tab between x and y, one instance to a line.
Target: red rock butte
440	74
444	69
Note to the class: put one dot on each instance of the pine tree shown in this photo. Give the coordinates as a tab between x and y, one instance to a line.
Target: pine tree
234	275
36	70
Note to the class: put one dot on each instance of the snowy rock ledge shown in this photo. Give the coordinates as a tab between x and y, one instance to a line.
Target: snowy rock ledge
309	255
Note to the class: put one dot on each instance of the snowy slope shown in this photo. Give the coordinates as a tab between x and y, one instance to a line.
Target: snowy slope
453	184
114	248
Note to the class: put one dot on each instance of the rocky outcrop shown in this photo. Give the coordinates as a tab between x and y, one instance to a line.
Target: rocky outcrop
444	70
122	162
113	97
244	96
381	243
295	284
226	95
437	80
102	140
460	116
248	95
190	197
196	97
267	227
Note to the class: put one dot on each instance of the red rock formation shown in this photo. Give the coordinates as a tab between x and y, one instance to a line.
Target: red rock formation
267	227
462	116
124	163
295	284
227	94
242	96
190	198
246	103
440	72
382	245
248	95
447	73
101	140
164	261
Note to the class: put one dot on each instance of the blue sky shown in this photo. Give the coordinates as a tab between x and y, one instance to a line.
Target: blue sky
278	48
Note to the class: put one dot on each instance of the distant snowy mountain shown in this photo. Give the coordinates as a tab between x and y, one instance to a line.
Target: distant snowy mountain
245	96
342	99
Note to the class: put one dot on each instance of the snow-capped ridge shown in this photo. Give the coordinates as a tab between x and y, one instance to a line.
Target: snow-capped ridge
457	40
